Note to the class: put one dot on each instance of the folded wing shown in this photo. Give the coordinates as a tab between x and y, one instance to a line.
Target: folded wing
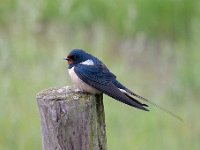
100	78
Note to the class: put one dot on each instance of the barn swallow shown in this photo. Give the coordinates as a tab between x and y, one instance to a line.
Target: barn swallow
90	75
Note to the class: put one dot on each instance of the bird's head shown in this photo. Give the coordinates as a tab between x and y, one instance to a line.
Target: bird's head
77	56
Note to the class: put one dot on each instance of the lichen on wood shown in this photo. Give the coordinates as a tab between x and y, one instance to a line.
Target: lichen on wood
71	120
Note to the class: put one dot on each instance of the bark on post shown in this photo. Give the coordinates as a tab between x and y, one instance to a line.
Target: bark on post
71	120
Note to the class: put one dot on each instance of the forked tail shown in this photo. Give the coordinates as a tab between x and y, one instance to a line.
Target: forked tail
158	106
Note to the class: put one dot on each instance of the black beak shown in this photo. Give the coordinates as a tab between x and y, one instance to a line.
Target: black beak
66	58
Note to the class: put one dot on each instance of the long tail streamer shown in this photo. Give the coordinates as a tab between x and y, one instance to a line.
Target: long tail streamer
156	105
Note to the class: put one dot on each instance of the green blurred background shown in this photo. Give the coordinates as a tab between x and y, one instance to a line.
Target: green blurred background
151	45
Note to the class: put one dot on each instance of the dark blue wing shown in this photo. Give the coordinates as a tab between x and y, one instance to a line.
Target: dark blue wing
99	77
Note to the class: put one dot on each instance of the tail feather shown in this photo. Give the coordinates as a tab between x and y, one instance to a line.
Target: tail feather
129	93
156	105
145	105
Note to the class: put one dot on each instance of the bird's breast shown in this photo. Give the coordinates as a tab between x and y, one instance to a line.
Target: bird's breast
81	84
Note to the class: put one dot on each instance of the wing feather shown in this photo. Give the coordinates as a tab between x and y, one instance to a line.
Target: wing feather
101	79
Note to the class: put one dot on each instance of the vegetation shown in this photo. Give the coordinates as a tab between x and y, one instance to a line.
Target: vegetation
152	46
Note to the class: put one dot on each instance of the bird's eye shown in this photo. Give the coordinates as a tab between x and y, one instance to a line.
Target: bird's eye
71	57
74	57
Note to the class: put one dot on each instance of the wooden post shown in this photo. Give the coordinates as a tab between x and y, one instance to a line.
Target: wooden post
71	120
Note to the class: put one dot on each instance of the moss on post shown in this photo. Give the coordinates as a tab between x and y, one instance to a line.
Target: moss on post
71	120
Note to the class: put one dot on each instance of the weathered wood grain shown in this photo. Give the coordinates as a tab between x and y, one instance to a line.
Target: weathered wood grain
71	120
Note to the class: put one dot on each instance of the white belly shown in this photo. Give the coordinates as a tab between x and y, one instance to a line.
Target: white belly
80	84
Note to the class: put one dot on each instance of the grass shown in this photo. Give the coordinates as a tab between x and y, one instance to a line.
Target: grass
157	59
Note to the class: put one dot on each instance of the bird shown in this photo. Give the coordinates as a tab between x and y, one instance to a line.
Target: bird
91	75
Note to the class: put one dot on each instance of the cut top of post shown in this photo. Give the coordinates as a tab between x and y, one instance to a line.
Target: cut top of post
67	93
